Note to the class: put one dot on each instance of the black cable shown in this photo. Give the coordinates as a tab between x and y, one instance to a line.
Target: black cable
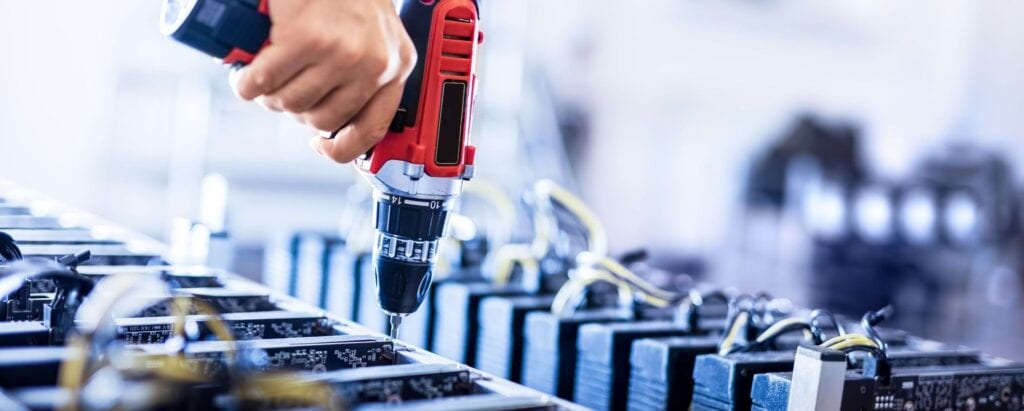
836	324
873	318
880	367
742	303
9	250
72	261
689	314
71	289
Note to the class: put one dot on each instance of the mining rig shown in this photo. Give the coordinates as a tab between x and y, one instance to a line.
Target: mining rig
94	317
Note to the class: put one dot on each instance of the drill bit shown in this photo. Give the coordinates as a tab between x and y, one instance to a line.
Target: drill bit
396	321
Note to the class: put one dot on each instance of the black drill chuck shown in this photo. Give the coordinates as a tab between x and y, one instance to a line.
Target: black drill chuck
407	234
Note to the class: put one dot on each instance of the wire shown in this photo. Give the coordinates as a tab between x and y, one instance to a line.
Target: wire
550	193
645	290
508	257
784	326
872	318
831	342
94	313
853	342
689	312
727	343
9	250
816	314
570	296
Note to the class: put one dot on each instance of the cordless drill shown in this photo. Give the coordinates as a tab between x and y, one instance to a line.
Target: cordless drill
420	166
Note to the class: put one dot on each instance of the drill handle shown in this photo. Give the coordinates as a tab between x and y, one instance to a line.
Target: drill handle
231	30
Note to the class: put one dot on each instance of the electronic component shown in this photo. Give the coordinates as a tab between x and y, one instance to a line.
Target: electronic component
175	276
602	373
726	380
400	383
295	345
458	315
549	353
312	354
244	326
57	310
102	254
500	339
222	299
960	387
821	374
482	402
918	353
723	382
661	371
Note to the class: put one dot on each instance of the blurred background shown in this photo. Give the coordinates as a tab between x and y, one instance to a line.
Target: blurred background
845	154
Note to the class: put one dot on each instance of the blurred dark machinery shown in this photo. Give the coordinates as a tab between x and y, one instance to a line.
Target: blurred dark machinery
922	244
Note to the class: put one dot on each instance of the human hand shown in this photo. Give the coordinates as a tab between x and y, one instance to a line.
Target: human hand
333	65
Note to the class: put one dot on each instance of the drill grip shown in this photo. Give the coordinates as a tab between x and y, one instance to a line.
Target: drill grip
231	30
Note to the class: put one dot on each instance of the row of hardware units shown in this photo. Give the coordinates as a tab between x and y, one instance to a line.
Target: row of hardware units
612	353
205	333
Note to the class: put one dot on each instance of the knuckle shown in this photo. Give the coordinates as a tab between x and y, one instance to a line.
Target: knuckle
377	63
341	157
346	52
323	120
408	58
317	42
375	133
408	52
249	87
290	104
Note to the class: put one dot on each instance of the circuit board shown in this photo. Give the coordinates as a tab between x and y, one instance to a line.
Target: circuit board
244	326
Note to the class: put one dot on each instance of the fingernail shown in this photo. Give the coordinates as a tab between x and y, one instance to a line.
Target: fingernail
328	135
234	77
268	103
315	144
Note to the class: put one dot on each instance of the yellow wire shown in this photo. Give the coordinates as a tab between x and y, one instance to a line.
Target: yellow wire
840	338
72	371
647	291
734	331
573	289
175	366
778	326
597	238
568	292
508	257
857	342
